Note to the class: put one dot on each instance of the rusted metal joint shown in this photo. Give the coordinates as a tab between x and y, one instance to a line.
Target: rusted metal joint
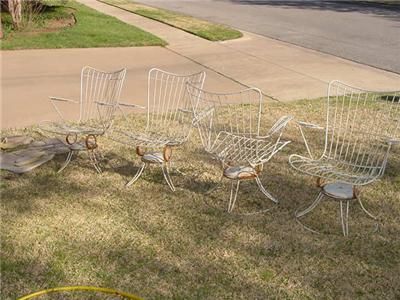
91	142
70	135
167	153
140	151
356	192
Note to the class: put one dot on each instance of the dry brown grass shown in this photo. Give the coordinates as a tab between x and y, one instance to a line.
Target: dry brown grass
80	228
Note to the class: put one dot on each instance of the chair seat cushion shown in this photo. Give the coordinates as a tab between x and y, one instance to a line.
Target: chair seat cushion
153	158
240	172
338	190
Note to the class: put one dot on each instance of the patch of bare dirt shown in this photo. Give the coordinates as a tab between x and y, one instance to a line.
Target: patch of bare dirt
52	25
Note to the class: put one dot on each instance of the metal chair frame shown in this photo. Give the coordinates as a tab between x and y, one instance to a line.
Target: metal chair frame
169	121
361	128
99	95
229	126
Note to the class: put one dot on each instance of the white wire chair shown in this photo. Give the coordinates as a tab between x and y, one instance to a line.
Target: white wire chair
361	128
99	95
169	121
229	126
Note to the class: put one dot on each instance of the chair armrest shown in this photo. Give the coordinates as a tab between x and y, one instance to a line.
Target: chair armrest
62	99
131	105
187	111
278	127
302	125
262	137
393	141
309	125
104	104
54	100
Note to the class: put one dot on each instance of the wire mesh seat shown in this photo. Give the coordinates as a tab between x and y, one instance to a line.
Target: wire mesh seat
336	170
169	121
65	129
99	95
229	126
361	128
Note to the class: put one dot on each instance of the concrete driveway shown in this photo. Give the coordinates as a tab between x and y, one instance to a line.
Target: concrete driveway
363	32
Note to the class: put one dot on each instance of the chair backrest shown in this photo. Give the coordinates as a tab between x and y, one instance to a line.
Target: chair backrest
359	123
100	92
169	110
235	113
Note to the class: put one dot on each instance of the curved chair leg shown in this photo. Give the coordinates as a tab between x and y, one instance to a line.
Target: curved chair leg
232	199
137	175
311	207
365	210
67	161
264	191
344	216
94	160
165	170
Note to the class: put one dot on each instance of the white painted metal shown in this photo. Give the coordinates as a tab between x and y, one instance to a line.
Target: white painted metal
169	118
361	128
99	96
230	129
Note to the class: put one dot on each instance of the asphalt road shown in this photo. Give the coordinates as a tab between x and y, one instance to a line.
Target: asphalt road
363	32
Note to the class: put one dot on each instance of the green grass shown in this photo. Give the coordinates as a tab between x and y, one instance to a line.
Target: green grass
201	28
81	228
92	29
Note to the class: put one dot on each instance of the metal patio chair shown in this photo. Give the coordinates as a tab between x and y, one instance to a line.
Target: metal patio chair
100	92
230	129
361	128
169	121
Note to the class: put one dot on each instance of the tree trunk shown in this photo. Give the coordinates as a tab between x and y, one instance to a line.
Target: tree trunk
15	8
1	29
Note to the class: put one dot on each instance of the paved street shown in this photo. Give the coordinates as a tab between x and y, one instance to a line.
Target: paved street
362	32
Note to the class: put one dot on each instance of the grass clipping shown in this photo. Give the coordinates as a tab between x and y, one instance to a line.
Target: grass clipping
201	28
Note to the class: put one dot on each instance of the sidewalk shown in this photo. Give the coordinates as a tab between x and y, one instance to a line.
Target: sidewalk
281	70
29	77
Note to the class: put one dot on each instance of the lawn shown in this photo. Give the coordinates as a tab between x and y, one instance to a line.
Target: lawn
74	25
81	228
207	30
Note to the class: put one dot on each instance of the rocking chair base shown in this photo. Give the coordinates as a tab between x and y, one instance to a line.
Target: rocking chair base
88	144
237	174
341	192
160	158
